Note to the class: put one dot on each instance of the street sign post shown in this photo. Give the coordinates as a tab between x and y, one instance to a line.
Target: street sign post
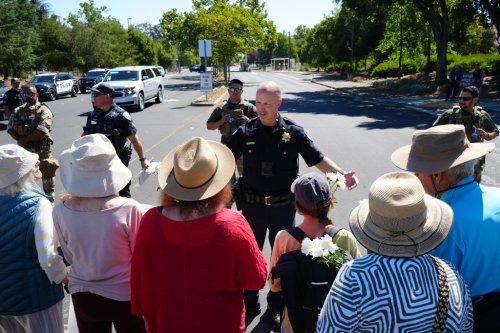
206	83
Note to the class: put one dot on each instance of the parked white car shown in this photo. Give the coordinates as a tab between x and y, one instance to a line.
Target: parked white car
135	85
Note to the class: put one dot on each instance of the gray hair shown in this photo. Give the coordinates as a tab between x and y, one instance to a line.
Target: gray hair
463	170
26	183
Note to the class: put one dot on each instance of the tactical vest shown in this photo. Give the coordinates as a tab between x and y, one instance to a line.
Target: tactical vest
105	123
25	122
232	125
469	120
24	286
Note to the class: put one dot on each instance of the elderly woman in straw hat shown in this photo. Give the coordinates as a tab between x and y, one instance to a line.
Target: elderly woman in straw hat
31	271
194	257
97	229
399	287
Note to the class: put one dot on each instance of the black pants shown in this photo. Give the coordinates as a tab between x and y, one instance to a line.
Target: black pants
262	218
486	313
453	90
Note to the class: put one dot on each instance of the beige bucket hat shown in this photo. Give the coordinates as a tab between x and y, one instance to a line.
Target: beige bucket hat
15	162
399	219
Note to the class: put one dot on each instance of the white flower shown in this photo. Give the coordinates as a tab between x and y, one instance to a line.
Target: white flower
317	250
306	246
327	244
335	181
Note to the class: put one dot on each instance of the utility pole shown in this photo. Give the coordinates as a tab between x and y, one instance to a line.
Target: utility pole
289	51
128	22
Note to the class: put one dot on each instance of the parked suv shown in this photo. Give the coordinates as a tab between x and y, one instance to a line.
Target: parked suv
135	85
52	85
93	77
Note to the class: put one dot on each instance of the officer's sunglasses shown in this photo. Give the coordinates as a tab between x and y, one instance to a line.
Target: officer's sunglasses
28	93
469	98
235	90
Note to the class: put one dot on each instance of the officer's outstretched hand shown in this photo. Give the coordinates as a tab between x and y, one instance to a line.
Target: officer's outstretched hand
351	181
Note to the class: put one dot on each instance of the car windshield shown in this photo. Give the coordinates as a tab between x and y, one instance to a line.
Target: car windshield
121	76
95	73
42	78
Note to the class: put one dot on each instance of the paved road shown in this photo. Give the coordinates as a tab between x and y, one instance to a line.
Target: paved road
358	128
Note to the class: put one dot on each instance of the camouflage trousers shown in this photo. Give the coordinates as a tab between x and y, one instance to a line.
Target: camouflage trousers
478	169
48	167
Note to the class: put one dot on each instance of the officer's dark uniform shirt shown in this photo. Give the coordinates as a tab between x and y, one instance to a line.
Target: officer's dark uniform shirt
270	155
13	99
105	123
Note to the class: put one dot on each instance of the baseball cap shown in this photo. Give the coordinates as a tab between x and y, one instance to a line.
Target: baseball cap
104	88
14	80
311	191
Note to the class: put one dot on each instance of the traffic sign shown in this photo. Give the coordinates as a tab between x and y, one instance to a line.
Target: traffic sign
206	82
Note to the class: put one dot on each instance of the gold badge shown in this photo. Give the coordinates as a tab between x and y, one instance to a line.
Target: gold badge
286	137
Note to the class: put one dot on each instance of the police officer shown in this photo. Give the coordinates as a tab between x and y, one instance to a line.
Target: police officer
30	125
12	98
116	123
477	123
271	145
233	113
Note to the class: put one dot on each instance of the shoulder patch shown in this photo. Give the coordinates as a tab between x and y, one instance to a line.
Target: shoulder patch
126	115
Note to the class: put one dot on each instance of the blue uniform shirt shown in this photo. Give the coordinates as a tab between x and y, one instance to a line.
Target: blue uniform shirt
270	154
106	122
472	245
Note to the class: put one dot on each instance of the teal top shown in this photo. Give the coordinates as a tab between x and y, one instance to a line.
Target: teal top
473	243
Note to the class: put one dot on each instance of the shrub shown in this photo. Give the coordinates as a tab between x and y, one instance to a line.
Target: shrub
389	68
488	62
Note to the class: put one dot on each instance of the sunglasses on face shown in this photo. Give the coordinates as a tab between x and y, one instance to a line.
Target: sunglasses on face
235	90
28	94
461	98
95	94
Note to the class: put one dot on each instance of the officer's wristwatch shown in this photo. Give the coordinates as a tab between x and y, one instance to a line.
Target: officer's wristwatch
142	159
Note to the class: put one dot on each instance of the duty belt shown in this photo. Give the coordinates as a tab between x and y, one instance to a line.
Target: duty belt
269	200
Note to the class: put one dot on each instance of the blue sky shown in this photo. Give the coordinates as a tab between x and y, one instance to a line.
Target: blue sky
286	14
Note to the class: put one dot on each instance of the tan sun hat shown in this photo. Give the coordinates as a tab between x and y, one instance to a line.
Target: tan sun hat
438	149
196	170
91	168
15	162
399	219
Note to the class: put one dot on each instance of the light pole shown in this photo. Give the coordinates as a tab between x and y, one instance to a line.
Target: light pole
128	22
289	47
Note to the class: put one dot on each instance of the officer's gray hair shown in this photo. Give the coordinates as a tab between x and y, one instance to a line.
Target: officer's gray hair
26	183
463	170
270	86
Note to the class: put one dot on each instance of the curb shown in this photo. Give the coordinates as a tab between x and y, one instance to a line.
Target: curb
199	101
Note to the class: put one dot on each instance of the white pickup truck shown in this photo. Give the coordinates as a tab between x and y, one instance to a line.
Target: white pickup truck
135	85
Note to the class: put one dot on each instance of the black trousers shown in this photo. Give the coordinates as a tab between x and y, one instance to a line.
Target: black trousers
261	219
486	313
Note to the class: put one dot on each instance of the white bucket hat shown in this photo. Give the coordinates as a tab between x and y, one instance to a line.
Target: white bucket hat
196	170
91	168
15	162
399	219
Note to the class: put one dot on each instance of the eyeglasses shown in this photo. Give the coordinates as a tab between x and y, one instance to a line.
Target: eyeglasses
235	90
462	98
95	94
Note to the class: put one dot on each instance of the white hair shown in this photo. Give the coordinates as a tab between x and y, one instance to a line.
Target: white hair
463	170
26	183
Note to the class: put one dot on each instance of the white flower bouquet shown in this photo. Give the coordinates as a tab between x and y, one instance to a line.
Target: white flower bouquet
325	250
335	181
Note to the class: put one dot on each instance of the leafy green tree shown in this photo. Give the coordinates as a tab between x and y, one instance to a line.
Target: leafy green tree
285	47
18	35
55	44
144	51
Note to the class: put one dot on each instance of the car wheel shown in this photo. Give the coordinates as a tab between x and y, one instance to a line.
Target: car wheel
140	104
159	96
51	95
74	91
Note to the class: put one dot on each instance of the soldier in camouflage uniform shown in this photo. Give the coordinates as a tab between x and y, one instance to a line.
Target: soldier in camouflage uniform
30	125
233	113
478	123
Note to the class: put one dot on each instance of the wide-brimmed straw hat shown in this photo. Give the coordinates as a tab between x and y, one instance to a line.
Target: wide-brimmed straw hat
196	170
438	149
15	162
91	168
399	219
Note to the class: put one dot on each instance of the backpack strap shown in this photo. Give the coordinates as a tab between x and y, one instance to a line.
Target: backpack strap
300	235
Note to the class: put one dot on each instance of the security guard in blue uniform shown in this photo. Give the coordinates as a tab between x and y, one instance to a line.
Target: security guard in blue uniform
270	146
116	123
13	98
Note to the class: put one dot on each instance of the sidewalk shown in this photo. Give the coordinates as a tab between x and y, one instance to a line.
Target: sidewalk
427	104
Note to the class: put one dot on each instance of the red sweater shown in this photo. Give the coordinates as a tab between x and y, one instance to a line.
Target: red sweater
189	277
